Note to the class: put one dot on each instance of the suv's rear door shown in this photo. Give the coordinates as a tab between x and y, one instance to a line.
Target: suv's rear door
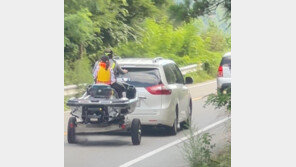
226	65
143	78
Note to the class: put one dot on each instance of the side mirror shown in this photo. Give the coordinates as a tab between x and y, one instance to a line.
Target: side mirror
188	80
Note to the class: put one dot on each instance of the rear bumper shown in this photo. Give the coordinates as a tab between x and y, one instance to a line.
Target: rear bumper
153	117
223	83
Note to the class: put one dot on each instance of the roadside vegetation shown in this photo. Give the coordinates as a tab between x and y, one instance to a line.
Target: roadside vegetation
187	34
221	99
224	157
66	98
199	76
198	149
81	89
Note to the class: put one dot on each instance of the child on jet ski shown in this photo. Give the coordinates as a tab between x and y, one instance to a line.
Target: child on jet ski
104	72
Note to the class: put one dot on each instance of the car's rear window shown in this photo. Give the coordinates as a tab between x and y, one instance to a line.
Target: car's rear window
226	61
141	77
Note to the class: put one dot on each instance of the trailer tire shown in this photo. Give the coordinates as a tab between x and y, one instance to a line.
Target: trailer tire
136	131
71	130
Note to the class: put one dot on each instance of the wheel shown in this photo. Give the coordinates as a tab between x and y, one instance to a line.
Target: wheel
71	130
136	131
186	124
173	130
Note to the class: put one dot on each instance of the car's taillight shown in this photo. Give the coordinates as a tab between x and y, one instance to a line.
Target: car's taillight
159	90
220	71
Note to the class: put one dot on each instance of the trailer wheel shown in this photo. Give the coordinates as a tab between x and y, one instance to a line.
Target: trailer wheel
136	131
71	130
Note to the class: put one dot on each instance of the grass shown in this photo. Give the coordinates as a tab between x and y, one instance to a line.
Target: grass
199	76
224	158
198	151
66	98
81	91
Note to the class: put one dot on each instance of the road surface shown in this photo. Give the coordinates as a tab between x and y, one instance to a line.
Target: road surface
157	148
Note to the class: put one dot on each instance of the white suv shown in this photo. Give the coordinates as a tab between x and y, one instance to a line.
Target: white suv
164	99
224	73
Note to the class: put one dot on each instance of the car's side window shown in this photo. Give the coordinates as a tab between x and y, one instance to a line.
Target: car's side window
178	74
169	74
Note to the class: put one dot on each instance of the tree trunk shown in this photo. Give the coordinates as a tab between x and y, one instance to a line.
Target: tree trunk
81	50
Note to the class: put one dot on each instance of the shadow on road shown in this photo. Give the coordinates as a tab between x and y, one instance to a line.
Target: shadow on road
103	143
93	139
146	131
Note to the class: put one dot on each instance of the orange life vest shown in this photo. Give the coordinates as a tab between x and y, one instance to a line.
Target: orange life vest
104	76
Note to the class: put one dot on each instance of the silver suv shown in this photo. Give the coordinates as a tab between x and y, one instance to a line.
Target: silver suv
164	99
224	73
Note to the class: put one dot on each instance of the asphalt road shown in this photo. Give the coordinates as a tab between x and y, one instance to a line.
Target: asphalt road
116	149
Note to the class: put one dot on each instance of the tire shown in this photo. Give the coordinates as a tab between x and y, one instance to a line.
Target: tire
136	131
186	124
173	130
71	130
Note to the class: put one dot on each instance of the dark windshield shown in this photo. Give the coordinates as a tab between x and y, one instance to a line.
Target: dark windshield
140	77
226	61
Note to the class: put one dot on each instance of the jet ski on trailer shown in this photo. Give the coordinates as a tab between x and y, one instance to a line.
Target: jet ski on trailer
100	110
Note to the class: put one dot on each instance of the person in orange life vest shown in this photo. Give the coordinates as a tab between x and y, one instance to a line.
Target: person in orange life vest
103	73
118	86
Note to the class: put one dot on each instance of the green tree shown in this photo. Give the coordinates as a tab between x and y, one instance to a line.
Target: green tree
93	25
184	44
195	8
138	29
79	32
215	39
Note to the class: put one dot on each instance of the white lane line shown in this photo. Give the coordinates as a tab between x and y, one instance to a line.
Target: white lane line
149	154
208	83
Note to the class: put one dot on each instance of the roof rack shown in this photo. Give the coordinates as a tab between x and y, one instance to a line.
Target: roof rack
156	59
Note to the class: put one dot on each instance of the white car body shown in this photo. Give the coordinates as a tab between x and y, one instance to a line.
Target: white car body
224	72
157	109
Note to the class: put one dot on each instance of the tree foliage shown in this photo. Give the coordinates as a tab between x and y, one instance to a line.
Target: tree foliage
195	8
198	150
221	99
92	25
187	44
141	28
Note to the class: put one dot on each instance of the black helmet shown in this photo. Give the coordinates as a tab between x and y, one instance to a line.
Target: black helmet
109	53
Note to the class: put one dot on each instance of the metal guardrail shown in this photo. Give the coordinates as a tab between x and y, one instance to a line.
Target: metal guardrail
69	87
188	69
73	89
